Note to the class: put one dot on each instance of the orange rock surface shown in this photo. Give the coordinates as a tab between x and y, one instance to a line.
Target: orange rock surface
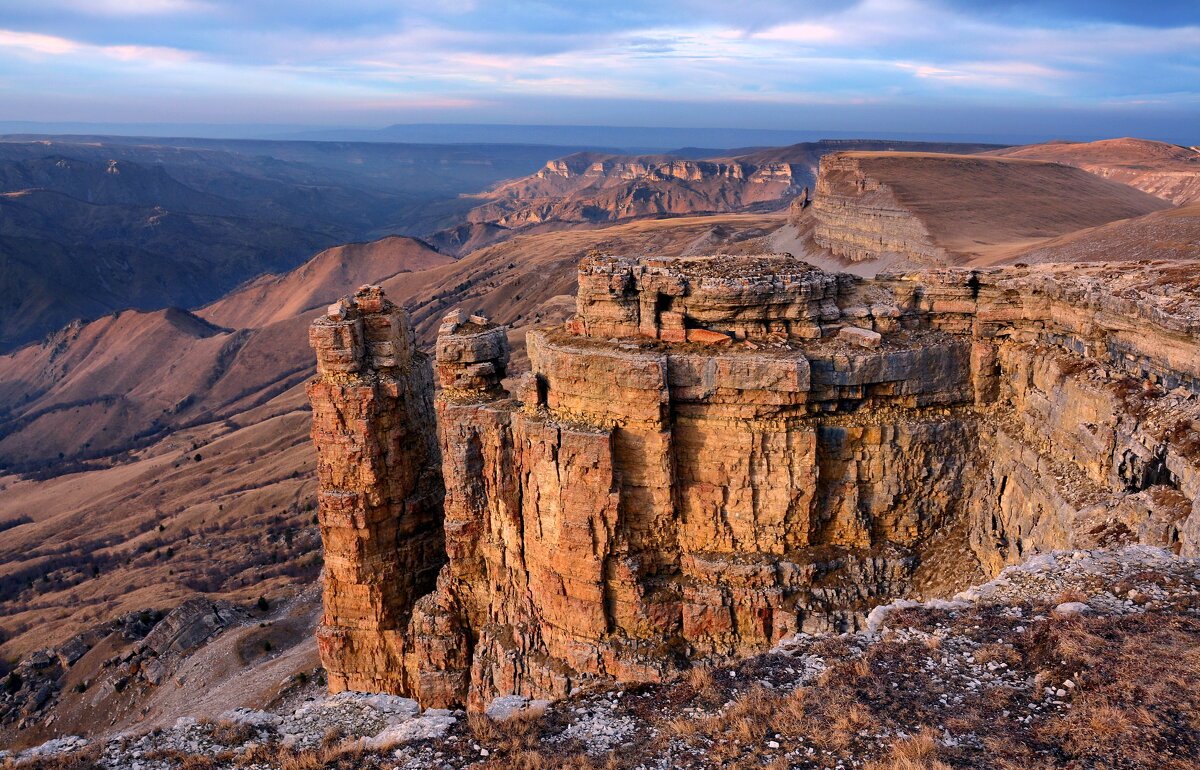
646	499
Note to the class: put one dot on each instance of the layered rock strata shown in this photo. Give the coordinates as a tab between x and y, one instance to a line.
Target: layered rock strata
380	494
858	217
719	451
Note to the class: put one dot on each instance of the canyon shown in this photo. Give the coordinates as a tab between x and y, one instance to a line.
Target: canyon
716	452
186	469
589	189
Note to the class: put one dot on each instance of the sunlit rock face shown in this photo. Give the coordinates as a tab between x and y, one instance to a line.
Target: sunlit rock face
719	451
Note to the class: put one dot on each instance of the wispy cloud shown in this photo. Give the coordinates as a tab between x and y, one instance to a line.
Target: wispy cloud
49	45
131	7
466	54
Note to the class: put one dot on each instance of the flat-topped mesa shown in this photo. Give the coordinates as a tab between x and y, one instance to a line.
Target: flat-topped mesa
710	299
649	502
379	490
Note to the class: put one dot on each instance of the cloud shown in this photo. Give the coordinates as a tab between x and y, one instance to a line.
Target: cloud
804	33
33	42
473	55
50	45
133	7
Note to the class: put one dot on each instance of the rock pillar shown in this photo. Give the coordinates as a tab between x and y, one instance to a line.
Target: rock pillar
379	493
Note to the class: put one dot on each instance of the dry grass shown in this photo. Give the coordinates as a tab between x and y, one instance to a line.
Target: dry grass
1138	701
1070	595
229	733
916	752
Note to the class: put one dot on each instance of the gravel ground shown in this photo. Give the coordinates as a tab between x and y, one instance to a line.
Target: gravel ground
999	674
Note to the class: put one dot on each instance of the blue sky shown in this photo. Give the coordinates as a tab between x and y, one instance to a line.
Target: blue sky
1053	67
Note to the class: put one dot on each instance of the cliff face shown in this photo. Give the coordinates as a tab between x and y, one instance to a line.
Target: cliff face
859	218
590	187
719	451
380	494
934	209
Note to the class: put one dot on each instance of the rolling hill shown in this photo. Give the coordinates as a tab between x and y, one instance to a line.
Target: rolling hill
1166	170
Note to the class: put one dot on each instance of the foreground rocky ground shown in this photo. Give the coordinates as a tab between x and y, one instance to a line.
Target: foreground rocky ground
1075	659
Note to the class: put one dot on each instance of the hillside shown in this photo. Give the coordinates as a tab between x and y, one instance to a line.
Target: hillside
1165	170
1173	234
924	208
271	298
92	227
590	189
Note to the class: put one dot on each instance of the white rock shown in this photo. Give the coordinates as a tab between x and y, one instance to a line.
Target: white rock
1067	609
251	717
420	728
506	707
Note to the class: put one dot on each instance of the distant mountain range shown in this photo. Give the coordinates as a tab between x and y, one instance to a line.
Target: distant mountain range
625	139
93	225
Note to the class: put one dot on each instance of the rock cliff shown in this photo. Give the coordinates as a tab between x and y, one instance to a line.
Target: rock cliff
590	189
717	452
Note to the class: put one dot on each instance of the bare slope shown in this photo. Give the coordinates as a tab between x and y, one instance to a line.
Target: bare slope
276	297
122	381
937	209
1165	170
1173	234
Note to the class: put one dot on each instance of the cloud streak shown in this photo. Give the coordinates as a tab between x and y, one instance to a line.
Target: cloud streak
470	58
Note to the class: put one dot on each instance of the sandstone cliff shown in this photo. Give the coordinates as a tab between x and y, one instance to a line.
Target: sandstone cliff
931	209
720	451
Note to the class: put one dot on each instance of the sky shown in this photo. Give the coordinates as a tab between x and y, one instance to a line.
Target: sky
1052	67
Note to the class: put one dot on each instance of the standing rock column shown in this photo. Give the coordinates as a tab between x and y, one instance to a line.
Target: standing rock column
380	494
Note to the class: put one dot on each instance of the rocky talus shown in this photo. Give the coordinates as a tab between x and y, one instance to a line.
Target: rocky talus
719	452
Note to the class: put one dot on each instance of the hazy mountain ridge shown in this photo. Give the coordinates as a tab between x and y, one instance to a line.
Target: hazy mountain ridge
92	227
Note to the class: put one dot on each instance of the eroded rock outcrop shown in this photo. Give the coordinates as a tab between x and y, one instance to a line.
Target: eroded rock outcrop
720	451
380	491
